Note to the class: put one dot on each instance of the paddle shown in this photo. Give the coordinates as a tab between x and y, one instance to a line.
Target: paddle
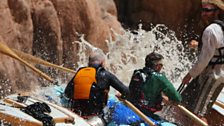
7	51
34	59
187	112
182	87
137	111
192	116
220	104
68	119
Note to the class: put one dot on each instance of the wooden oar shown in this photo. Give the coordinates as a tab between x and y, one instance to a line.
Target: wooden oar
186	111
192	116
7	51
220	104
68	119
138	112
14	103
16	121
33	59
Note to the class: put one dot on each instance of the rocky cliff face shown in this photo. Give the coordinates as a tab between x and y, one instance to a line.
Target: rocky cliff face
48	29
181	16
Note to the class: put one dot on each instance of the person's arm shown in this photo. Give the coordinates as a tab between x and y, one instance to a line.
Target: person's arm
169	90
207	52
210	43
118	85
69	89
135	86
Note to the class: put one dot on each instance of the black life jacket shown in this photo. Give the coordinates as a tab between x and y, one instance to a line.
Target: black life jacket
219	59
135	87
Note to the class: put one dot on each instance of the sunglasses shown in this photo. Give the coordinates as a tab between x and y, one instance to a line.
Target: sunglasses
209	9
160	64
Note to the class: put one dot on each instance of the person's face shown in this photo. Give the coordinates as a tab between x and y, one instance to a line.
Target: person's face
158	67
103	63
209	12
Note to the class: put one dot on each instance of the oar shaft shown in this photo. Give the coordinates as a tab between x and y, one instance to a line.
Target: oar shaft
220	104
7	51
192	116
35	70
36	60
137	111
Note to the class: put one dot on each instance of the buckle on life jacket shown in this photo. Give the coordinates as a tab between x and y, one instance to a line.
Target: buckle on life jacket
219	58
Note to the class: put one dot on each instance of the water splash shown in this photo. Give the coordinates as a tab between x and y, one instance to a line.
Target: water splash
84	49
127	52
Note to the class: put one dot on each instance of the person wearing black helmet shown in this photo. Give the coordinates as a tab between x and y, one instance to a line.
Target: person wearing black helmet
149	88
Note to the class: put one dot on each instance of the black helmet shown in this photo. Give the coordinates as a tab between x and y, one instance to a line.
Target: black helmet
151	58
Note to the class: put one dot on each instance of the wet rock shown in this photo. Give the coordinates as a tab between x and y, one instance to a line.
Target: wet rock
181	16
48	29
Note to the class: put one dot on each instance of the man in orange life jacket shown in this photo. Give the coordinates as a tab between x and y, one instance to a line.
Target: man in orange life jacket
89	88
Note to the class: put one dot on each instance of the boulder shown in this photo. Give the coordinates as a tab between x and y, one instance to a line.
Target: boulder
48	29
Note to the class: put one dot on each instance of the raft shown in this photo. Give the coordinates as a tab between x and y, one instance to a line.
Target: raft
124	116
12	113
120	114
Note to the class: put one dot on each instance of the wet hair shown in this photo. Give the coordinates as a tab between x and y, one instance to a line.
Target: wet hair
97	56
152	58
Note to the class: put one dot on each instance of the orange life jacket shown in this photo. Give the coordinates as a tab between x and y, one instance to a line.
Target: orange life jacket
83	81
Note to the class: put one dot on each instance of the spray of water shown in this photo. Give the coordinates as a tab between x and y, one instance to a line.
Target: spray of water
127	52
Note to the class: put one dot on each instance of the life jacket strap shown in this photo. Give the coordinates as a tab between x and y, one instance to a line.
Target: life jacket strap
218	59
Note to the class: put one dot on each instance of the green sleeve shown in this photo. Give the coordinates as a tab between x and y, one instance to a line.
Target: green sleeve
168	88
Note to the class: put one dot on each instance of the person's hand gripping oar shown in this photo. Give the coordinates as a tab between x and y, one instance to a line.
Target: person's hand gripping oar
7	51
136	110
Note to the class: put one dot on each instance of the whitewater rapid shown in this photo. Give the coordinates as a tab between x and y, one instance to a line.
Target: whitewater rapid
127	52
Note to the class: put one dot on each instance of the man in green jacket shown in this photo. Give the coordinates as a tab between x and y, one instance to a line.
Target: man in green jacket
149	87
